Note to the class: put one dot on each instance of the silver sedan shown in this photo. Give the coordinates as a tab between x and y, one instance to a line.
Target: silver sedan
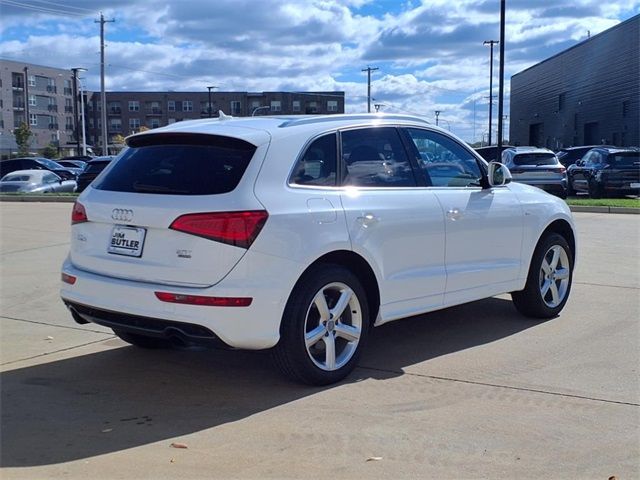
35	181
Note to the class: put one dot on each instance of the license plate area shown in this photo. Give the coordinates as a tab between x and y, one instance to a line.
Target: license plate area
127	241
634	185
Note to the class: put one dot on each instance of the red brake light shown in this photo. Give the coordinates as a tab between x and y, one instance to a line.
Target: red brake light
234	228
66	278
563	169
78	214
204	301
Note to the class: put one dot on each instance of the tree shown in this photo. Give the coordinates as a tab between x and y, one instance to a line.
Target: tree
50	151
23	138
118	140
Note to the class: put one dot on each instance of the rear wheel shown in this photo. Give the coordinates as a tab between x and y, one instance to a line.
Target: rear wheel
549	279
324	326
142	341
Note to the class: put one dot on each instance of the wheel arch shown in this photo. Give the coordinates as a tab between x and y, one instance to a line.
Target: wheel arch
563	228
360	268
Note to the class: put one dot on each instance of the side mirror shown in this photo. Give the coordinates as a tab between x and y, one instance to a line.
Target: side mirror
580	163
498	174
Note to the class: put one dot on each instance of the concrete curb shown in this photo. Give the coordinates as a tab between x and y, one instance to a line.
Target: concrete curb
61	199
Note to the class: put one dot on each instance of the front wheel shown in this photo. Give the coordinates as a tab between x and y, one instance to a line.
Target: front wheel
324	326
595	190
549	280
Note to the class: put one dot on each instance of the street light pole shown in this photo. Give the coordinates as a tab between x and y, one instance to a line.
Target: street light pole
437	112
84	135
209	105
490	43
76	82
501	84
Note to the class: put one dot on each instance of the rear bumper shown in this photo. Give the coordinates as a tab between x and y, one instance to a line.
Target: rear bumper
133	307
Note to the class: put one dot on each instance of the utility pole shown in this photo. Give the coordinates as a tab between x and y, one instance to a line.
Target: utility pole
75	108
209	105
103	95
437	112
490	43
369	70
501	87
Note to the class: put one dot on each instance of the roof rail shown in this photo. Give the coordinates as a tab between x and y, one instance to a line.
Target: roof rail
345	117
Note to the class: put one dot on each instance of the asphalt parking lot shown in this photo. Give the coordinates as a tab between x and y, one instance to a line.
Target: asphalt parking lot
475	391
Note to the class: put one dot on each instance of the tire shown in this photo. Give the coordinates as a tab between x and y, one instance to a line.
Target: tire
324	327
595	190
142	341
549	280
570	191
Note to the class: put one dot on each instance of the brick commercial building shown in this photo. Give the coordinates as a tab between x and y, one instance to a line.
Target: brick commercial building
588	94
127	112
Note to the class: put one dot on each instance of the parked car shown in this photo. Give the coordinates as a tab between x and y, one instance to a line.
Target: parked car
298	234
606	171
35	181
82	158
538	167
73	164
92	170
570	155
490	152
36	163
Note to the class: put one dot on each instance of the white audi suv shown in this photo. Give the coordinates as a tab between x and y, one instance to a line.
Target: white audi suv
299	234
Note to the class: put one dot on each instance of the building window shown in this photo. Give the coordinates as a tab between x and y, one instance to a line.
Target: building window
134	123
312	107
332	106
134	106
32	101
171	105
115	125
562	99
32	80
171	120
68	123
235	107
626	106
33	119
154	123
255	104
296	105
90	122
187	106
276	106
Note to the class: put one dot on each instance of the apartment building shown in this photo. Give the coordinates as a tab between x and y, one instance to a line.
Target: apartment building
128	112
40	96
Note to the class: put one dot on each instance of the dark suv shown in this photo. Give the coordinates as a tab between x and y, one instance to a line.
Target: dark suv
570	155
36	163
91	171
605	171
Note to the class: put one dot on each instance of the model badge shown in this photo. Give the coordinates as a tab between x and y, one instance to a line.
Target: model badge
183	253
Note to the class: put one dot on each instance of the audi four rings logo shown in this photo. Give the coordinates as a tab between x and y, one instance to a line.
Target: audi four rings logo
122	214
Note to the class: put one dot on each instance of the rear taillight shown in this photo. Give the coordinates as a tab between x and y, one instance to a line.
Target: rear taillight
66	278
563	169
234	228
78	214
204	301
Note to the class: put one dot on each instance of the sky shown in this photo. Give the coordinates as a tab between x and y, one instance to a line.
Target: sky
429	54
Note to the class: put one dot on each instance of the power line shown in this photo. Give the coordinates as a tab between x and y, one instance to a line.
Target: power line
39	9
63	5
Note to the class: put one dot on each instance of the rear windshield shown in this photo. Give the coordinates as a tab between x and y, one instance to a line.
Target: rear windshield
625	159
176	164
95	167
535	159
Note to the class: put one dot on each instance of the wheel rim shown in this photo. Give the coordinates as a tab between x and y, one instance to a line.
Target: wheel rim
555	272
333	326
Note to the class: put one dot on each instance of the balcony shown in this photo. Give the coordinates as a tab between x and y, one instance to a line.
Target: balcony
18	86
114	111
115	128
154	111
52	89
52	108
53	126
68	109
19	107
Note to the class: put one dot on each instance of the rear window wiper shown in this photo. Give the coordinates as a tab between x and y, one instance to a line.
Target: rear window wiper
141	187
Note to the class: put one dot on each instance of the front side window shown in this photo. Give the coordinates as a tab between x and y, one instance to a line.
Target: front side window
444	161
375	157
317	166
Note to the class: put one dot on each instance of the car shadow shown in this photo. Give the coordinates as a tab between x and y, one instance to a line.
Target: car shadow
122	398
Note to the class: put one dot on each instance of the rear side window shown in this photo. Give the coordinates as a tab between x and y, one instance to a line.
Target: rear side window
179	164
318	164
95	167
535	159
625	159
